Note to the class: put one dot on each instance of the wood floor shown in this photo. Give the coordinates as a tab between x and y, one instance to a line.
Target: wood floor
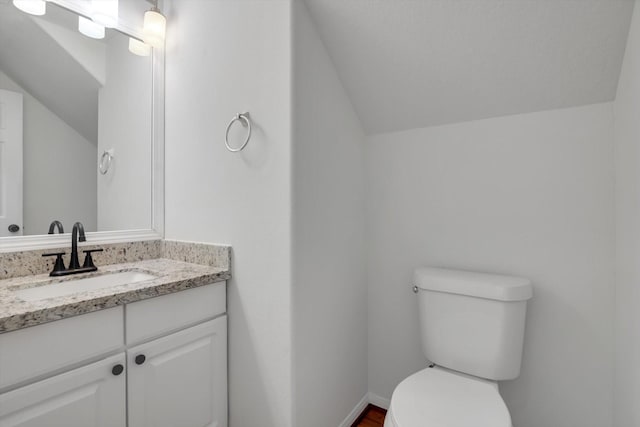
372	416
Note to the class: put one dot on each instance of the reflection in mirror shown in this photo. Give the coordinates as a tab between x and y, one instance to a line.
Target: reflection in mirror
65	100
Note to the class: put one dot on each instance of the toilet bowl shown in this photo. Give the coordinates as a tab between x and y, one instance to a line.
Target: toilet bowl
472	328
438	397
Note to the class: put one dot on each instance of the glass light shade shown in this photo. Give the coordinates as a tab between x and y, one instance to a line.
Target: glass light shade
105	12
139	48
90	28
34	7
155	25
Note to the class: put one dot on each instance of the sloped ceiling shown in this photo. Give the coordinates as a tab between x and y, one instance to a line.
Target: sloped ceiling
50	67
416	63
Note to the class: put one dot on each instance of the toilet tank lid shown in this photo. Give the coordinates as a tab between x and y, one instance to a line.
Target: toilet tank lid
480	285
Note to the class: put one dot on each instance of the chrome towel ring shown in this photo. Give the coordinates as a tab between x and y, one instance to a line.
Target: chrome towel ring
244	119
105	161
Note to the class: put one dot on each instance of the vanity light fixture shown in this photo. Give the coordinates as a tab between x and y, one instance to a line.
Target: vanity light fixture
138	47
155	26
90	28
33	7
105	12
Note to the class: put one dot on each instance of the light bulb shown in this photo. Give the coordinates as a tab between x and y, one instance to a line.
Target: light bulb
105	12
155	25
33	7
139	48
90	28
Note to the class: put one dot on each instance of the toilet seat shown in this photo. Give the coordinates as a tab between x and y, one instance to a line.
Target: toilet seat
437	397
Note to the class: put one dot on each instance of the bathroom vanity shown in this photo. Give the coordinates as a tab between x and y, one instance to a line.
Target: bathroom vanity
141	341
147	353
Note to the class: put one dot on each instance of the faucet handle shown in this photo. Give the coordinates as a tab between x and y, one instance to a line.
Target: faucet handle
59	265
88	259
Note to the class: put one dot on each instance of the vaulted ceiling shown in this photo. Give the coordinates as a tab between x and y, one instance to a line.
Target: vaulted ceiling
416	63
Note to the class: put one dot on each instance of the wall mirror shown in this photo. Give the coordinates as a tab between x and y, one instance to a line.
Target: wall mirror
81	127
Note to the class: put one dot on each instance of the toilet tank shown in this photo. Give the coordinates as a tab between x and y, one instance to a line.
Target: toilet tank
473	322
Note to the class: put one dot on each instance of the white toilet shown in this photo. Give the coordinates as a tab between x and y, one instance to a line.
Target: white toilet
472	329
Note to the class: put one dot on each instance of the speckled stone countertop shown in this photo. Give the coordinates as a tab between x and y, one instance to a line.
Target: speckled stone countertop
171	276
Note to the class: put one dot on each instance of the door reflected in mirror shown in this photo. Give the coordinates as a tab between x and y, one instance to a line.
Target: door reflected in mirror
76	117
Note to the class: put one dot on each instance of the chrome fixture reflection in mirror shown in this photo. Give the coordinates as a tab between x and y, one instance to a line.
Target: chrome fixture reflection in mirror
65	99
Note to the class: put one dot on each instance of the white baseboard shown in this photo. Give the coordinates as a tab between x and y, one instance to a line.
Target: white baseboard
372	398
353	415
379	401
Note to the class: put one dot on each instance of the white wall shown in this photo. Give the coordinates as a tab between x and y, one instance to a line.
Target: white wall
329	305
627	159
528	195
125	126
226	57
58	169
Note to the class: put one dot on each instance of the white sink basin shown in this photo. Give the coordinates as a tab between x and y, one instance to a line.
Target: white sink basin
71	287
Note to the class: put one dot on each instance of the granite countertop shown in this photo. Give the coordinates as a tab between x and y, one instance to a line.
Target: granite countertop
172	276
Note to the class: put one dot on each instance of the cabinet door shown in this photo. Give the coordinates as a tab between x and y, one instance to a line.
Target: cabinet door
91	396
180	380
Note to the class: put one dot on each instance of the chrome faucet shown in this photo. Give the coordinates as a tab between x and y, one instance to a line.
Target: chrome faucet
75	238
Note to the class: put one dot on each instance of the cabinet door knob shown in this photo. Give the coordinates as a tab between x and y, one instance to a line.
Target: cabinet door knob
140	359
117	370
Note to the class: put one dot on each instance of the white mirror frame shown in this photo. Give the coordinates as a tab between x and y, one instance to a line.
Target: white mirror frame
47	241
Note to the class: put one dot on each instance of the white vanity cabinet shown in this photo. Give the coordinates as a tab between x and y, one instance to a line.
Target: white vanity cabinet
168	373
91	396
180	380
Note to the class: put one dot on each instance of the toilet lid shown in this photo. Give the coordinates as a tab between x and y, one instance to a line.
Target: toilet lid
435	397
